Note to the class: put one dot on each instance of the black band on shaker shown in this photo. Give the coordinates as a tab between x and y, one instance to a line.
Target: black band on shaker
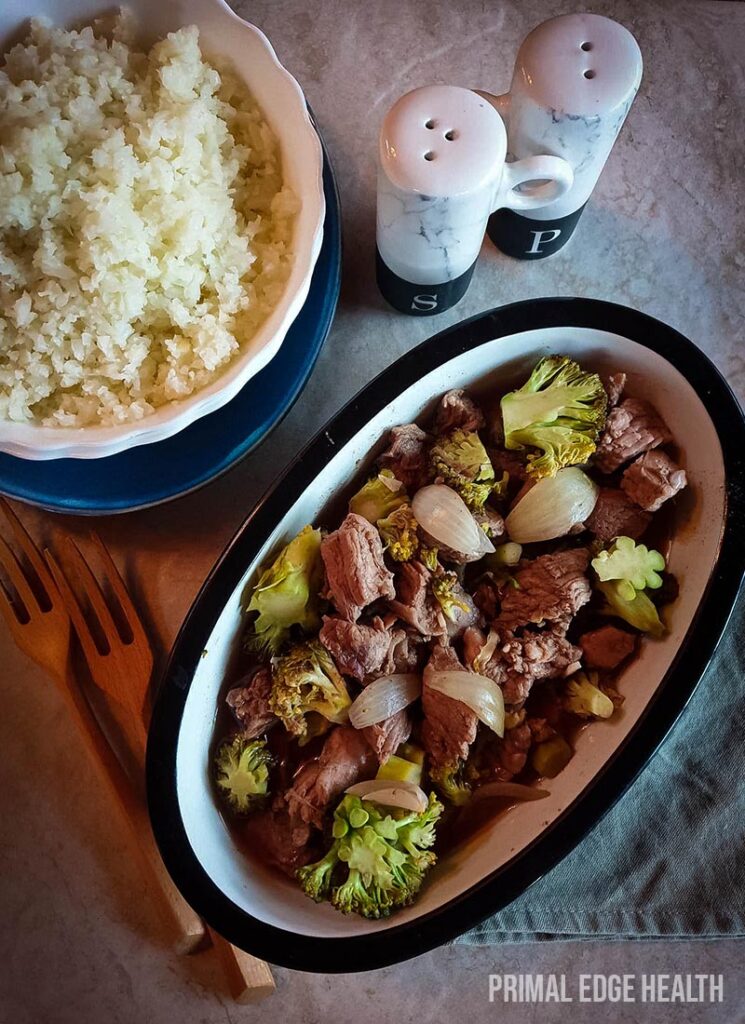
527	239
419	299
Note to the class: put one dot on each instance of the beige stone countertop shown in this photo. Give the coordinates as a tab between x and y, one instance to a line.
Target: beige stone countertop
663	232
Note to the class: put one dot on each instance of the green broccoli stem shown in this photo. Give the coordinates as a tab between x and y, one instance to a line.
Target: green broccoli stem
315	879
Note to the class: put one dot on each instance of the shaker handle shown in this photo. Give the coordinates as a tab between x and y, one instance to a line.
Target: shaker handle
557	173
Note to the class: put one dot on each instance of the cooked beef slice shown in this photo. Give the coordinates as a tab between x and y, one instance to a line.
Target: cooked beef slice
519	661
407	456
540	729
457	411
415	603
511	752
449	727
249	702
513	463
473	641
527	485
386	737
486	598
652	479
405	654
606	647
355	571
358	650
284	841
615	515
632	427
346	758
550	588
614	385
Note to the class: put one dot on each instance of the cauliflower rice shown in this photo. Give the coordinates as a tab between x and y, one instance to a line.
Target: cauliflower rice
145	233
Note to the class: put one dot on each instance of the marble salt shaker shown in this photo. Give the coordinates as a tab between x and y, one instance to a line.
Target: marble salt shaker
574	81
440	153
442	170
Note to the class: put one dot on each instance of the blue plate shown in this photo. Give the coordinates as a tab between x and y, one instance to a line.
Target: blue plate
154	473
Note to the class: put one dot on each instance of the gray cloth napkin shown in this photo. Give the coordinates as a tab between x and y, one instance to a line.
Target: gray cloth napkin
669	859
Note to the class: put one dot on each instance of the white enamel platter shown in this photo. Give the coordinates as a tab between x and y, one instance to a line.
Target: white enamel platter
267	914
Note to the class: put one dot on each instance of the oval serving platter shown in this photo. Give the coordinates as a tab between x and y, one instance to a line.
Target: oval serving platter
268	915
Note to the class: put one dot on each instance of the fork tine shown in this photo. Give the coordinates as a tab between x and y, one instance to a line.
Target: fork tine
73	609
18	578
8	611
118	586
93	592
29	548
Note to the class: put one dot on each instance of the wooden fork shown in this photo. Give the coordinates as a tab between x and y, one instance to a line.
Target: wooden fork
121	663
40	626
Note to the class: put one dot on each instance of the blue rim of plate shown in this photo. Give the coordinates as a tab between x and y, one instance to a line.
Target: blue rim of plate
156	473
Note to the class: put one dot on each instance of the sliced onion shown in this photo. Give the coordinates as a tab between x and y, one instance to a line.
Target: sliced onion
406	795
510	790
445	517
384	698
479	693
483	658
552	507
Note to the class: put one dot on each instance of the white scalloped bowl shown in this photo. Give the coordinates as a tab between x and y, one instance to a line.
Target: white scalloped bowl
282	102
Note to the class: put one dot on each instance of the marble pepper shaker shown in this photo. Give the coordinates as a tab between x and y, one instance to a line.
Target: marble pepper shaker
575	78
441	172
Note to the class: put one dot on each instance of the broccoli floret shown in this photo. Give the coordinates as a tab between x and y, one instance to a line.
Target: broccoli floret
287	594
315	725
398	531
418	833
428	556
633	565
625	570
242	773
551	757
639	612
376	862
408	875
449	593
367	897
583	697
306	679
500	488
461	460
451	782
560	410
514	718
315	879
398	769
380	496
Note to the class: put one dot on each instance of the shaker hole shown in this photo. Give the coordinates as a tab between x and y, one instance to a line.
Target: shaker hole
451	134
429	124
589	73
586	46
429	155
